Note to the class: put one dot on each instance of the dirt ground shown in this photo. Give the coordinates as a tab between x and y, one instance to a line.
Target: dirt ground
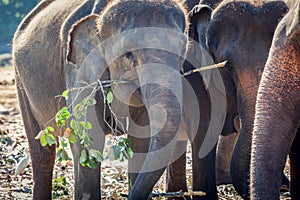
13	142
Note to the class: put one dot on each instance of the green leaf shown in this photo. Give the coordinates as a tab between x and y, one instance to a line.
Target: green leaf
83	157
127	141
121	147
43	140
92	102
114	153
61	116
84	101
65	94
65	155
62	155
77	127
109	97
65	113
73	125
61	180
91	163
86	140
63	142
121	140
78	111
50	128
59	188
73	138
59	121
88	125
96	154
50	139
129	152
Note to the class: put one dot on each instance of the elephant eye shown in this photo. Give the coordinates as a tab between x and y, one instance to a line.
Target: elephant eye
129	56
128	60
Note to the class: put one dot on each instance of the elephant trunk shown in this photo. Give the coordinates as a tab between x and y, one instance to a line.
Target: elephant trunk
276	121
268	154
239	168
162	93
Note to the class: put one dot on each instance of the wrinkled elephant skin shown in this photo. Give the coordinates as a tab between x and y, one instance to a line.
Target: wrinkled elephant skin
276	127
241	32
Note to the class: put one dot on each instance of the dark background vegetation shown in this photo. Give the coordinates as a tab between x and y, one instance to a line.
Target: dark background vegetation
11	14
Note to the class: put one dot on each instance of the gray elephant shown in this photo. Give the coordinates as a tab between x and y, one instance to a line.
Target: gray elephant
276	127
210	124
240	32
200	17
212	96
62	43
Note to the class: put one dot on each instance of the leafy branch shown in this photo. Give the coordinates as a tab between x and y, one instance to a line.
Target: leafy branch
76	126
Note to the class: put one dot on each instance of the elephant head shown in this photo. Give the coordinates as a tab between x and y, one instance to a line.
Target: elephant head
241	32
276	125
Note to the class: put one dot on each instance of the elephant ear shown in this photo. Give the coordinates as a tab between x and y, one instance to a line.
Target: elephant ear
291	22
84	61
198	52
80	44
200	16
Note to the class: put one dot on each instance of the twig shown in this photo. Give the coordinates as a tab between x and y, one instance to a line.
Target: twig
218	65
178	194
104	105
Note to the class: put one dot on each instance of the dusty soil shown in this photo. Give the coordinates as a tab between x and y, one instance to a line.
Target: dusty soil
13	142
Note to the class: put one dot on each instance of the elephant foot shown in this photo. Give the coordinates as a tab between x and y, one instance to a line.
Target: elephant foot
223	177
176	171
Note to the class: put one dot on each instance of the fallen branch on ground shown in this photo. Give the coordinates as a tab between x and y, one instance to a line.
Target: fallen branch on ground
178	194
173	194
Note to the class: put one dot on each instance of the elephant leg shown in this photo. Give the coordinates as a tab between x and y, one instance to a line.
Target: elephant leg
224	152
42	158
294	167
204	178
140	148
176	171
87	180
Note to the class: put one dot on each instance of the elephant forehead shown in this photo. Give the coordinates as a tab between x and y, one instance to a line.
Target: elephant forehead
123	15
239	25
252	11
144	38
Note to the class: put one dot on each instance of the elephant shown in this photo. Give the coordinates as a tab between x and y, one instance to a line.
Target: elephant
276	126
139	46
204	176
240	32
231	127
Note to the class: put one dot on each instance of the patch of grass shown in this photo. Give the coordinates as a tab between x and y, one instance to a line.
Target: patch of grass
59	187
